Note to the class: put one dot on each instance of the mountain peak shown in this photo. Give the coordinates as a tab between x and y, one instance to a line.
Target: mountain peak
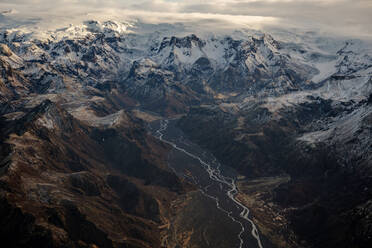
182	42
108	27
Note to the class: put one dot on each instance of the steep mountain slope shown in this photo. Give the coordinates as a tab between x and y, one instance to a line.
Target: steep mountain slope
66	184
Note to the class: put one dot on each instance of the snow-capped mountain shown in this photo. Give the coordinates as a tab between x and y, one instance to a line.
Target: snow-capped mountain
130	57
163	69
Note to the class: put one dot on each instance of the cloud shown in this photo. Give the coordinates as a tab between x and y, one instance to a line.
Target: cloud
338	17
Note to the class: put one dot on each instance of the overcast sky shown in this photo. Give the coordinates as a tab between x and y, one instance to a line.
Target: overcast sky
343	17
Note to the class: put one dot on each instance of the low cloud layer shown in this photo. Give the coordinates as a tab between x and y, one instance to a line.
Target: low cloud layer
339	17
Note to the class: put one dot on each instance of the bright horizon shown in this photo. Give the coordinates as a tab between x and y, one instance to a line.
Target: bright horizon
349	18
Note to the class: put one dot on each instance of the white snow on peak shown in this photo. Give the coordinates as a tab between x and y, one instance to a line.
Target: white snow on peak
108	28
136	41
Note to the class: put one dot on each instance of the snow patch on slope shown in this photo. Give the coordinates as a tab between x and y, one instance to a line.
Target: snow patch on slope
340	128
